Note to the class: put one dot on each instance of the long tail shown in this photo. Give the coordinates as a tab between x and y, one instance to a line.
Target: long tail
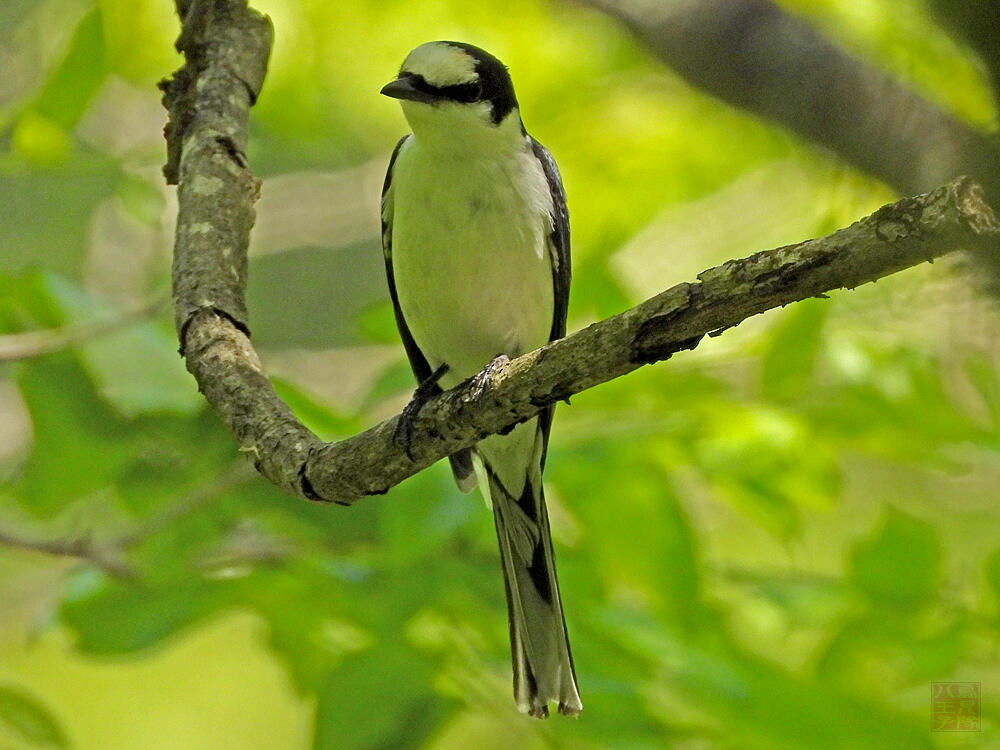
510	472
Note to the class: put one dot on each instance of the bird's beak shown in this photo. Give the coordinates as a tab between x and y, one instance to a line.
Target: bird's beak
403	88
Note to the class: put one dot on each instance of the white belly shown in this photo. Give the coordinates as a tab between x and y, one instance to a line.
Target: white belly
470	258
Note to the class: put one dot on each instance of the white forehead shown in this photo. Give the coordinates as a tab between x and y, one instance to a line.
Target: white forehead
441	64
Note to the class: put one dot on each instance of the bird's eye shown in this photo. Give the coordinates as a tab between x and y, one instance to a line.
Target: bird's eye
469	92
463	92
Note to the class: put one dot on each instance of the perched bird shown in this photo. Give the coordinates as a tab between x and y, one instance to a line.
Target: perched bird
475	233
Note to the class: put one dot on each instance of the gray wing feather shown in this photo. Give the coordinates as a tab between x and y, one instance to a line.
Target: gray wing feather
558	245
558	239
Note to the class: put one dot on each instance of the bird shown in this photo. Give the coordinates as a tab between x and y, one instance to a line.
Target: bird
475	234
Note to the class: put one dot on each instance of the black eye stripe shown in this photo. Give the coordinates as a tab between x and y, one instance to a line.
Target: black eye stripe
460	92
493	84
463	92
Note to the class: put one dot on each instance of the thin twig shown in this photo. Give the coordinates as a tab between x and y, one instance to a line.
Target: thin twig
82	547
110	555
18	346
238	475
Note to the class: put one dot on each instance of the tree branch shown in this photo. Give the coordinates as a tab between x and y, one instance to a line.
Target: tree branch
83	547
976	24
110	554
216	192
756	56
233	478
30	344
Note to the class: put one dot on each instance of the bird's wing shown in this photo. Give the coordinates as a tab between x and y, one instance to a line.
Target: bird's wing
461	462
558	240
558	246
418	362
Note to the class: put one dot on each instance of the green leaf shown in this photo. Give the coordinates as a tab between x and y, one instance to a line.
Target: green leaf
28	719
331	288
12	12
318	418
25	305
760	706
397	378
900	566
60	203
377	322
80	443
68	91
992	570
765	461
982	373
142	199
939	653
40	140
395	710
135	368
174	456
424	513
597	290
664	569
788	362
111	617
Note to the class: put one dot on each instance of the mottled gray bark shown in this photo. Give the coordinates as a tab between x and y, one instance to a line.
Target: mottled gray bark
226	47
209	102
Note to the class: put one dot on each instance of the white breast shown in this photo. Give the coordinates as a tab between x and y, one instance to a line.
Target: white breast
469	255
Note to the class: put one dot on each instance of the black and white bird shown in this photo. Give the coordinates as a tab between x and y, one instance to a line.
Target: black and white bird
476	239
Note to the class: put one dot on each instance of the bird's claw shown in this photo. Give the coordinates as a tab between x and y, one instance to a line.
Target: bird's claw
425	391
479	383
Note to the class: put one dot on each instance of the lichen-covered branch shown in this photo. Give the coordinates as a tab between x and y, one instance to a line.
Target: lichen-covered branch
216	193
226	47
758	56
895	237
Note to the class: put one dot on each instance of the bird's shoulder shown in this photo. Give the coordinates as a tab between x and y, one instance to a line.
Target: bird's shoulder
387	184
387	196
552	175
558	239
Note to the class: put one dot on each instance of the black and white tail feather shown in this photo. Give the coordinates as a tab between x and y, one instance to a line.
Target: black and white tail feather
542	661
455	95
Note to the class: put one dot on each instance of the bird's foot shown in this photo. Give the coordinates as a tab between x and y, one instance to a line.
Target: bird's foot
426	390
479	383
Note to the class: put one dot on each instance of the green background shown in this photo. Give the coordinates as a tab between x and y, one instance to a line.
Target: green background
780	540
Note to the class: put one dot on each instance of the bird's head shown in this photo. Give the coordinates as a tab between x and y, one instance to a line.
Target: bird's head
450	88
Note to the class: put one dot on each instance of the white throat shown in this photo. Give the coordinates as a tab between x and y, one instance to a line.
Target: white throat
463	130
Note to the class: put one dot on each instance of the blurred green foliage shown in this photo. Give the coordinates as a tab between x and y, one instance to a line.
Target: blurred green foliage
23	716
780	540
